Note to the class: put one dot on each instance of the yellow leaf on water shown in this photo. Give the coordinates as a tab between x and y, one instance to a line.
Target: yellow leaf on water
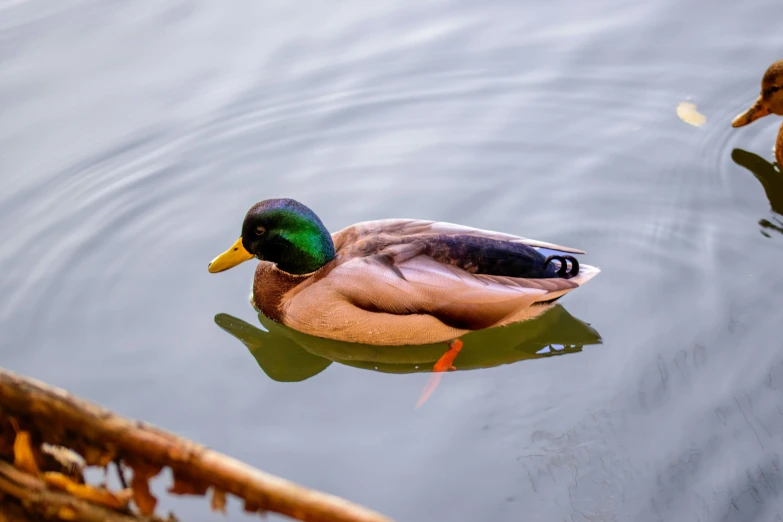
687	112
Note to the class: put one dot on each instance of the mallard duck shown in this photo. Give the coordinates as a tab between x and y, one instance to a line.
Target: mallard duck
395	281
769	102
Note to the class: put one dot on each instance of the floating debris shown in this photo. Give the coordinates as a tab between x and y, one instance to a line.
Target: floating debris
48	436
687	112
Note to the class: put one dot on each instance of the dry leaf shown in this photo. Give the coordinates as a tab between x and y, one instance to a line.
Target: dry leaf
142	496
145	501
251	506
98	456
66	513
57	480
24	458
218	502
687	112
85	491
143	469
124	495
183	486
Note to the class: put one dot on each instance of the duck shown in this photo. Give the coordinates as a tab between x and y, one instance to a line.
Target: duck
770	101
395	282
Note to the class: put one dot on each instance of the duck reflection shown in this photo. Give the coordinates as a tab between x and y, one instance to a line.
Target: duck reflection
771	180
287	355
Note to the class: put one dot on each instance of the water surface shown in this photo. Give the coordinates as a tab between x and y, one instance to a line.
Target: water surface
134	137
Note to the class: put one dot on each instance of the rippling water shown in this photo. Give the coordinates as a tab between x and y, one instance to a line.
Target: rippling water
134	137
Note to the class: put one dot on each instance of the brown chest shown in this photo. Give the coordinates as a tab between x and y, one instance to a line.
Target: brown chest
270	287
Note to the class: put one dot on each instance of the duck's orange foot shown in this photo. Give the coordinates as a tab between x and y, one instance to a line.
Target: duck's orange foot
446	361
444	364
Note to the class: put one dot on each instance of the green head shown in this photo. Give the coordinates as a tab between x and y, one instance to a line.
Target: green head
284	232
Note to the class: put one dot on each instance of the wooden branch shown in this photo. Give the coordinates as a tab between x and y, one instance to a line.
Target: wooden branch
33	493
55	413
15	513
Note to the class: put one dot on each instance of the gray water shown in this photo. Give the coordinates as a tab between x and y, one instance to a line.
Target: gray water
135	135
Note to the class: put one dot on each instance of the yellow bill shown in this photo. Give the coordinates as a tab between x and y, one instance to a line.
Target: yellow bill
758	110
230	258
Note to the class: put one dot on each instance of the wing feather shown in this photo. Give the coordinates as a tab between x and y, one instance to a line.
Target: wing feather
421	285
359	233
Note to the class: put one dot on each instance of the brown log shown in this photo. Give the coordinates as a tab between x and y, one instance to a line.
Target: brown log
39	500
10	512
134	441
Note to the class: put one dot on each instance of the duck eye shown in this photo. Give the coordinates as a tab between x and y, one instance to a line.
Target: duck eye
260	231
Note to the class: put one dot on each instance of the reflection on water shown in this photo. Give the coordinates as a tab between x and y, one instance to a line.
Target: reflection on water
766	224
287	355
771	180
